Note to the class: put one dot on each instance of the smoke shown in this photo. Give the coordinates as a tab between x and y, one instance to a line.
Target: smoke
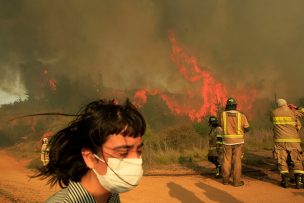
245	44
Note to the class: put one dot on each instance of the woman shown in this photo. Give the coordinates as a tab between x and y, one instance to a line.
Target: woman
98	155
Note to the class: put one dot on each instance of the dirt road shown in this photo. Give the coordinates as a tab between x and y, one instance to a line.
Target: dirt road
15	186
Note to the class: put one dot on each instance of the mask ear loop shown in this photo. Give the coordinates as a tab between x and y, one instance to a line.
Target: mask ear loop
104	161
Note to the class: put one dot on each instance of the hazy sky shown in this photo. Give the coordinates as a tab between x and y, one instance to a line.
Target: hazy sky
244	43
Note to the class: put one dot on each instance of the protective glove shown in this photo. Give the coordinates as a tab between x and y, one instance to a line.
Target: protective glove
292	106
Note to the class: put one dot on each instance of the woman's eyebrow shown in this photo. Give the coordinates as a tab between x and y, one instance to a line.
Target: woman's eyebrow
127	146
123	147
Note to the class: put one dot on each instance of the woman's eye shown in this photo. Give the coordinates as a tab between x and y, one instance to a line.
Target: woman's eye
123	154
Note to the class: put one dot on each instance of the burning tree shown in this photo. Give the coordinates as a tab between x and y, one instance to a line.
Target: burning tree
207	95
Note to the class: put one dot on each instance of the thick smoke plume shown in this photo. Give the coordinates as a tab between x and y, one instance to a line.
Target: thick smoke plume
124	44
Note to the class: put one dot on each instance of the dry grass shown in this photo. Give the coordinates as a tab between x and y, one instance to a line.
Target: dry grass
175	145
261	139
183	144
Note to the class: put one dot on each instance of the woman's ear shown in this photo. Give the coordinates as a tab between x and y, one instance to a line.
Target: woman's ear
89	158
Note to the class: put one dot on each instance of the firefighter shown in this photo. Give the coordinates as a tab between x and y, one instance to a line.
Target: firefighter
287	141
215	154
45	151
234	125
289	161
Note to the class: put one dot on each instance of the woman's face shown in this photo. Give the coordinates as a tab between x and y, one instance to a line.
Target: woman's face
120	147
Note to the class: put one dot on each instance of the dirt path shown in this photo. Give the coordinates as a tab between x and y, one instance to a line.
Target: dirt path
15	186
199	189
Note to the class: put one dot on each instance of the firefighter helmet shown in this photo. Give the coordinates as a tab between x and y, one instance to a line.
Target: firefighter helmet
212	120
231	102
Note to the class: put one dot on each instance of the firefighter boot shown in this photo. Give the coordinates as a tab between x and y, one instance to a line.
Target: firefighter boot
241	183
218	172
299	181
285	180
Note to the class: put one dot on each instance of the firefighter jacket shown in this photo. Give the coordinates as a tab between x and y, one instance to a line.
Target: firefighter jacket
285	123
233	123
215	140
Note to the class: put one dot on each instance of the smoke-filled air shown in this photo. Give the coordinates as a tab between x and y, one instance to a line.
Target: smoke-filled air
188	55
217	85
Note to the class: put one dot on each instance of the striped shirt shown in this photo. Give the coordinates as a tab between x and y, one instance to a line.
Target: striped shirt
76	193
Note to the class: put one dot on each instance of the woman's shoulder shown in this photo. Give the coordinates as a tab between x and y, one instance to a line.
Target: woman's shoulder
75	192
60	196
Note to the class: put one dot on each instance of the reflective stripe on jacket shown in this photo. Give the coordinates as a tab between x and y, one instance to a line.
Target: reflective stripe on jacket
233	123
284	120
214	138
285	124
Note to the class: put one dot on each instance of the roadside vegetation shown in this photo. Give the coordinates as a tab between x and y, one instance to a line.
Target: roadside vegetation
168	140
179	144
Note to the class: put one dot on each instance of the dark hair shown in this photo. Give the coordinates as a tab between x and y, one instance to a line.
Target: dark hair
90	130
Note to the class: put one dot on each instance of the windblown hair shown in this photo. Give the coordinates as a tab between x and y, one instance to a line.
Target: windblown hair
90	129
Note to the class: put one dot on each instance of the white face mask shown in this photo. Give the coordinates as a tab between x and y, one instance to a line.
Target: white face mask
122	174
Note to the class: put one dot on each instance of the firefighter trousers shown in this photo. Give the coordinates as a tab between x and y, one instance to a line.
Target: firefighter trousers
282	150
232	157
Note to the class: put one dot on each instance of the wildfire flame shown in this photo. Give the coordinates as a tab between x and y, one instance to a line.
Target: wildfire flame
52	83
211	93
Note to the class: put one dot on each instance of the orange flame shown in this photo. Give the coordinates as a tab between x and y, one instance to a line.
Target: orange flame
211	92
140	97
53	84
